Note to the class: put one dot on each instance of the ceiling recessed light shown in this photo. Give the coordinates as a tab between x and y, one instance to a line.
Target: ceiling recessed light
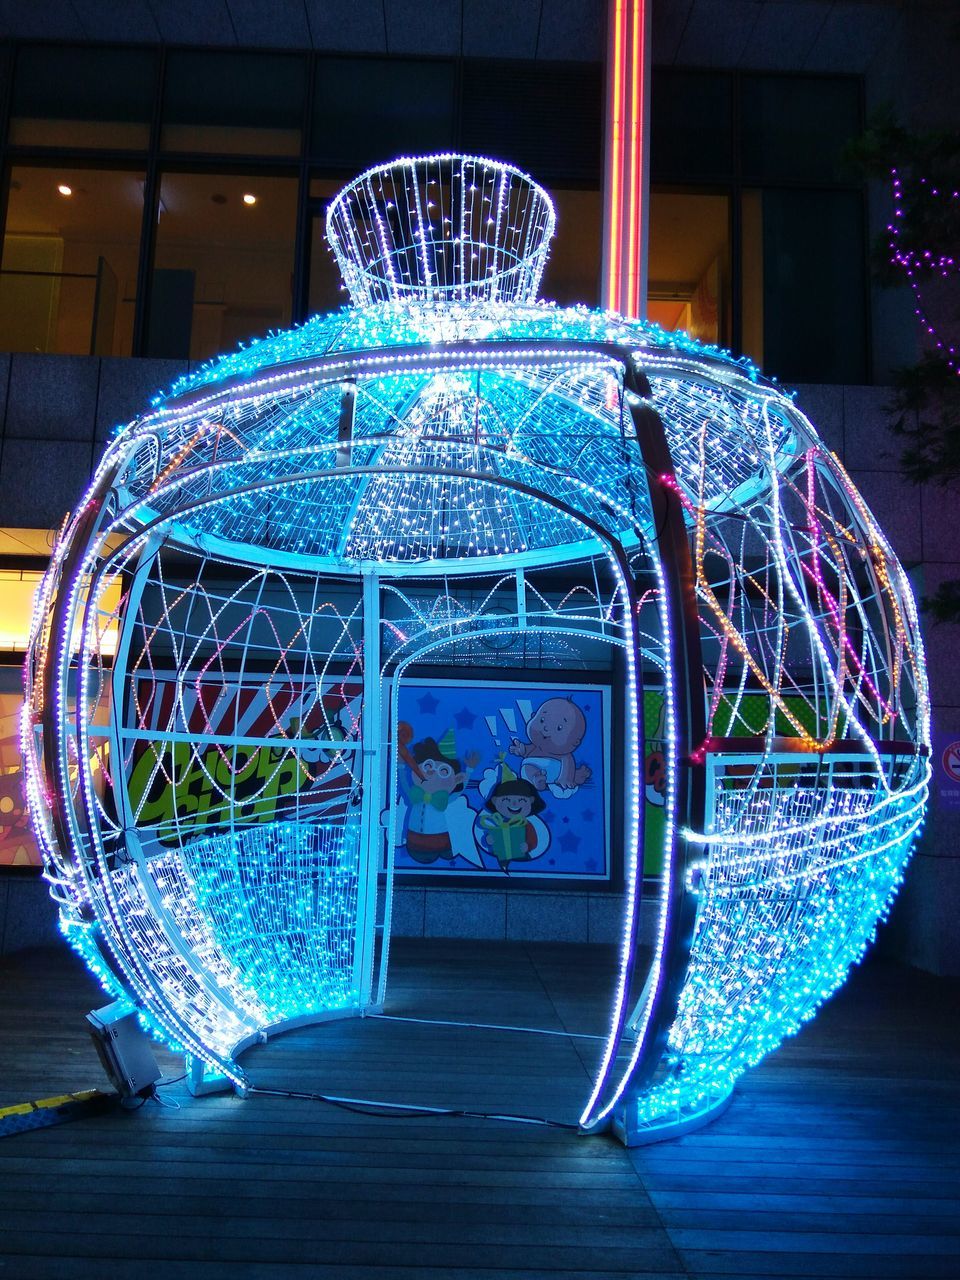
249	198
65	190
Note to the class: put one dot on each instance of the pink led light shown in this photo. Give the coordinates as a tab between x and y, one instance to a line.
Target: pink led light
916	264
844	644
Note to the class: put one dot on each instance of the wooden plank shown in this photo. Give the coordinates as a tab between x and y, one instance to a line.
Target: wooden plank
194	1232
721	1263
697	1204
838	1157
369	1249
831	1242
43	1268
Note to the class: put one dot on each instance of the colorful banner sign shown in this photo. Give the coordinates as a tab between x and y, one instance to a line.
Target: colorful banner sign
188	774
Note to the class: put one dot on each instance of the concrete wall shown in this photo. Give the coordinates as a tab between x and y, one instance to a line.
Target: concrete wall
561	29
28	917
515	914
58	412
778	35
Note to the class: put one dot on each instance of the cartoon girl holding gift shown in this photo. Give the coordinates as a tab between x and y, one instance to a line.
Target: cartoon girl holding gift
509	827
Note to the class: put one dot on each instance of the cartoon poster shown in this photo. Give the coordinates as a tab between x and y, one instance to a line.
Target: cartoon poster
654	781
503	780
17	845
198	783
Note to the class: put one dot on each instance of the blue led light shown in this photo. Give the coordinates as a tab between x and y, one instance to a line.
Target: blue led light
206	732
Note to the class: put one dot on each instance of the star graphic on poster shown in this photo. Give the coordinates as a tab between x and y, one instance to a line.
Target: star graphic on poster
428	704
591	864
588	815
568	842
465	719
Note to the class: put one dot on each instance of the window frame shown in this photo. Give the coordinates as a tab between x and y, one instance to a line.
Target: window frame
739	183
309	163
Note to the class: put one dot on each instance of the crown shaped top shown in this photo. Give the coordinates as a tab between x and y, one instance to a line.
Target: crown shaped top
444	228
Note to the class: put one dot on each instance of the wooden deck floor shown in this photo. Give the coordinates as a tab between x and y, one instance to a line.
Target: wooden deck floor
838	1157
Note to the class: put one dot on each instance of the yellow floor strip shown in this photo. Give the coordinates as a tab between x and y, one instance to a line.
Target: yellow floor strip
47	1111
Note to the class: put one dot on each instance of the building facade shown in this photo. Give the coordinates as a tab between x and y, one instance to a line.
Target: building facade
166	172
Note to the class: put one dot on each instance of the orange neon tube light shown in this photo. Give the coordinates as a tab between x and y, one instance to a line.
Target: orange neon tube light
614	157
624	159
634	143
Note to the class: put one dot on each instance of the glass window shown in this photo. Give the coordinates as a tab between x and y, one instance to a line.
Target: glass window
370	110
545	119
795	127
688	284
691	126
37	544
68	274
573	268
233	103
223	265
83	97
751	276
804	304
326	290
23	557
17	590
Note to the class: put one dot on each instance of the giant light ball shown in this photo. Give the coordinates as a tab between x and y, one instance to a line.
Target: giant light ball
297	523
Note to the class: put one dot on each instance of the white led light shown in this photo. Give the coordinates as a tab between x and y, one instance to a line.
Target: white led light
292	526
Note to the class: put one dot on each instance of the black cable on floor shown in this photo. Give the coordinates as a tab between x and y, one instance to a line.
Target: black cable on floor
409	1111
484	1026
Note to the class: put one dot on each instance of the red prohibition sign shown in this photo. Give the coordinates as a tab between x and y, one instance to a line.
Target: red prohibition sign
951	761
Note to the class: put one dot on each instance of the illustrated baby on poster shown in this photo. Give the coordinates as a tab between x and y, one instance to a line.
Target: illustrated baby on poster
555	731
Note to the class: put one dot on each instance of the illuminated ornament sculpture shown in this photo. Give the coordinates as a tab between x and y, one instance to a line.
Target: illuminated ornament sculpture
261	558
